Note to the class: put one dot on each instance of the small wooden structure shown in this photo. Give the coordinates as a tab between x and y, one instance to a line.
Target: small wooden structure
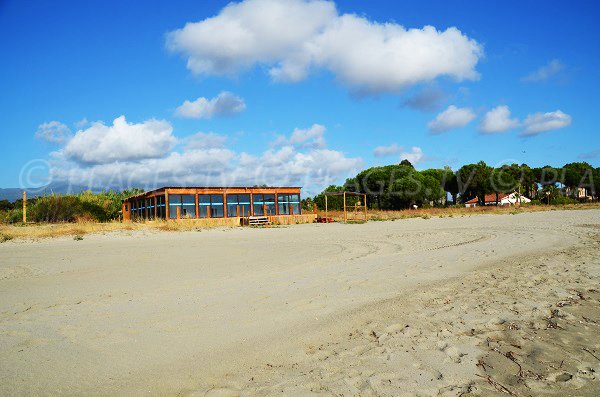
258	221
358	207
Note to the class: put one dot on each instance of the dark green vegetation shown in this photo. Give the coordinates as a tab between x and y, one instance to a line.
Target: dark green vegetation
395	187
391	187
100	207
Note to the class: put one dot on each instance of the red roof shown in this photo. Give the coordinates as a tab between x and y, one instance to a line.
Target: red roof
489	198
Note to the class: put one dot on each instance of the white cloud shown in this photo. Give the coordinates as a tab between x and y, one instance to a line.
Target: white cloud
224	104
82	123
203	140
310	137
541	122
415	155
313	137
451	118
498	120
382	151
203	159
291	37
545	72
121	141
53	131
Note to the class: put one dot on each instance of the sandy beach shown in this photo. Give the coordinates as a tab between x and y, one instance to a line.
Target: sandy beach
474	305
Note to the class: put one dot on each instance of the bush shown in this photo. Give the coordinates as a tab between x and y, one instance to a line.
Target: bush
85	206
563	200
11	216
56	208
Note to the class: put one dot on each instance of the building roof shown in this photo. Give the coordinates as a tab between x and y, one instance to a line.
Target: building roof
211	188
489	198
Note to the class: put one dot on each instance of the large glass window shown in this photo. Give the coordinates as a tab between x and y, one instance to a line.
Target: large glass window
186	204
133	211
203	205
212	201
160	207
264	204
150	208
288	204
238	200
140	209
295	203
216	206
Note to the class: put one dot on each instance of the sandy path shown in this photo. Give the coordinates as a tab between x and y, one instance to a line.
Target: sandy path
168	313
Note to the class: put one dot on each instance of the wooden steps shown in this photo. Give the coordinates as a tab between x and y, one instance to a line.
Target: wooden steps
258	221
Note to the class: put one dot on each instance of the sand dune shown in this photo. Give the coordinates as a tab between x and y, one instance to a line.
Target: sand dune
472	305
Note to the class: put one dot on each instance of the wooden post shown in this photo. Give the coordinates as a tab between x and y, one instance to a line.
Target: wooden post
197	207
167	211
155	207
208	211
238	211
365	204
345	215
24	206
315	207
325	208
178	212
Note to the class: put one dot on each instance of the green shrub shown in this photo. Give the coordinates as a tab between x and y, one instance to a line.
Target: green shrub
563	200
56	208
12	216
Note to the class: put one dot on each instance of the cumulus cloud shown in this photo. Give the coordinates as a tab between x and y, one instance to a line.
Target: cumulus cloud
498	120
541	122
53	131
82	123
121	141
313	137
451	118
292	37
202	159
383	151
415	155
224	104
545	72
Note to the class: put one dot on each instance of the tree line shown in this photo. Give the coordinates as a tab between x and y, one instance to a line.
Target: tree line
401	186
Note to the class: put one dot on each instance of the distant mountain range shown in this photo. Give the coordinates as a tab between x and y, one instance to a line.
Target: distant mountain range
12	194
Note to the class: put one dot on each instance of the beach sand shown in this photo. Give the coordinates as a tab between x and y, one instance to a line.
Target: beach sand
476	305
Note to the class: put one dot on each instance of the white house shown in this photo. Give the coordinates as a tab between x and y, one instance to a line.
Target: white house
503	198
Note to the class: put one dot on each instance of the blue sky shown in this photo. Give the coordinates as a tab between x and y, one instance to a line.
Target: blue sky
515	82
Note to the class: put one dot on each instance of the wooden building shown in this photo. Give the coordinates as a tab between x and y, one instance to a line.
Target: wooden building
212	202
